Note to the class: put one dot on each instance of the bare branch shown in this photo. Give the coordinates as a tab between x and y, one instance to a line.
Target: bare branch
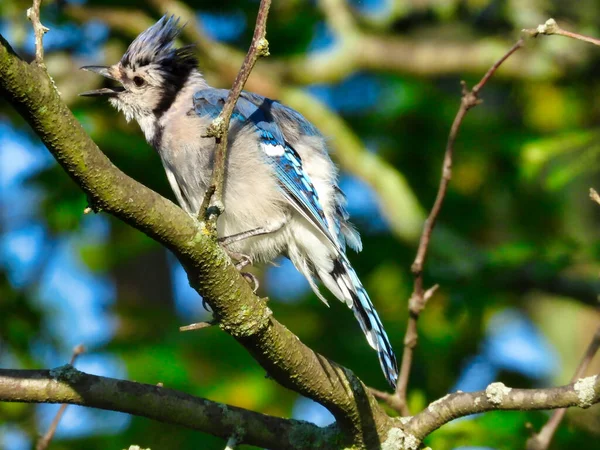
39	30
68	385
541	441
197	326
220	126
45	440
583	393
420	296
550	27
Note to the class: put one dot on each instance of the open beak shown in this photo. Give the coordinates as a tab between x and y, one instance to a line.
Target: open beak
105	72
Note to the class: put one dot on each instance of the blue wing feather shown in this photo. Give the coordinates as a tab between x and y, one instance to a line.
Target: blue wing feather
287	163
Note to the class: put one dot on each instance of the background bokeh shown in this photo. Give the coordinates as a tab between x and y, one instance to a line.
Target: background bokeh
516	252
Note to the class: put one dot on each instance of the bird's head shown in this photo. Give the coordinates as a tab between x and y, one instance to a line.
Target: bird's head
150	73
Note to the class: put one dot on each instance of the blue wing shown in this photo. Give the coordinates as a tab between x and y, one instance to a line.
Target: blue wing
287	163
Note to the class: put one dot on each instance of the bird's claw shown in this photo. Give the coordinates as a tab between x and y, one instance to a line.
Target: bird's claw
241	262
250	278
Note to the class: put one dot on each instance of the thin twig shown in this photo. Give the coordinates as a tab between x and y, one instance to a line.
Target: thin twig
541	441
420	296
208	195
45	440
551	27
39	30
197	326
220	126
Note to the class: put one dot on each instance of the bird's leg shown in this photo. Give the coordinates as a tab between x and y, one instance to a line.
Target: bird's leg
258	231
251	278
245	260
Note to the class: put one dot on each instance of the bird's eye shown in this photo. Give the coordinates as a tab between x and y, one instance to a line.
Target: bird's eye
139	81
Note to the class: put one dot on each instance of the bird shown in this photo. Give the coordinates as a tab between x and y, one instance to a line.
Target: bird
281	195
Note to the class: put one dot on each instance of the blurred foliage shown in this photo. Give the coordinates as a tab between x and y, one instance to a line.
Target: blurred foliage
517	229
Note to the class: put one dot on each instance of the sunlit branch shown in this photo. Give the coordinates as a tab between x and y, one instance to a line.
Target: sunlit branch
584	393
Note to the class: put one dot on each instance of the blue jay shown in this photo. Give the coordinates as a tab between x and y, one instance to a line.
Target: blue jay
280	195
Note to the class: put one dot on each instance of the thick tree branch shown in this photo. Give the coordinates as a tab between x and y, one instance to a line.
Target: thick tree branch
239	312
244	316
68	385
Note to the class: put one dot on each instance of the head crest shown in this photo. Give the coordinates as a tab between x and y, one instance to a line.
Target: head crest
155	46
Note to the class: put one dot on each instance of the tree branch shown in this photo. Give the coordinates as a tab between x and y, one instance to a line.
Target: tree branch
550	27
541	440
210	271
39	30
68	385
420	296
360	421
358	50
583	394
220	126
45	440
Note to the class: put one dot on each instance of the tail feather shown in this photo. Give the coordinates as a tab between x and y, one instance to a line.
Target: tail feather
356	297
342	281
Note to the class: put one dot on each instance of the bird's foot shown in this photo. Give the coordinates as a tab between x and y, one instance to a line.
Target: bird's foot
241	262
251	278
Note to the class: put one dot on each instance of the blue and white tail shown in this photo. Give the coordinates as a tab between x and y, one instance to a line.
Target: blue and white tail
343	282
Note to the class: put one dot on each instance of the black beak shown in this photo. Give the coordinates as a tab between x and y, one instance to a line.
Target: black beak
109	92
